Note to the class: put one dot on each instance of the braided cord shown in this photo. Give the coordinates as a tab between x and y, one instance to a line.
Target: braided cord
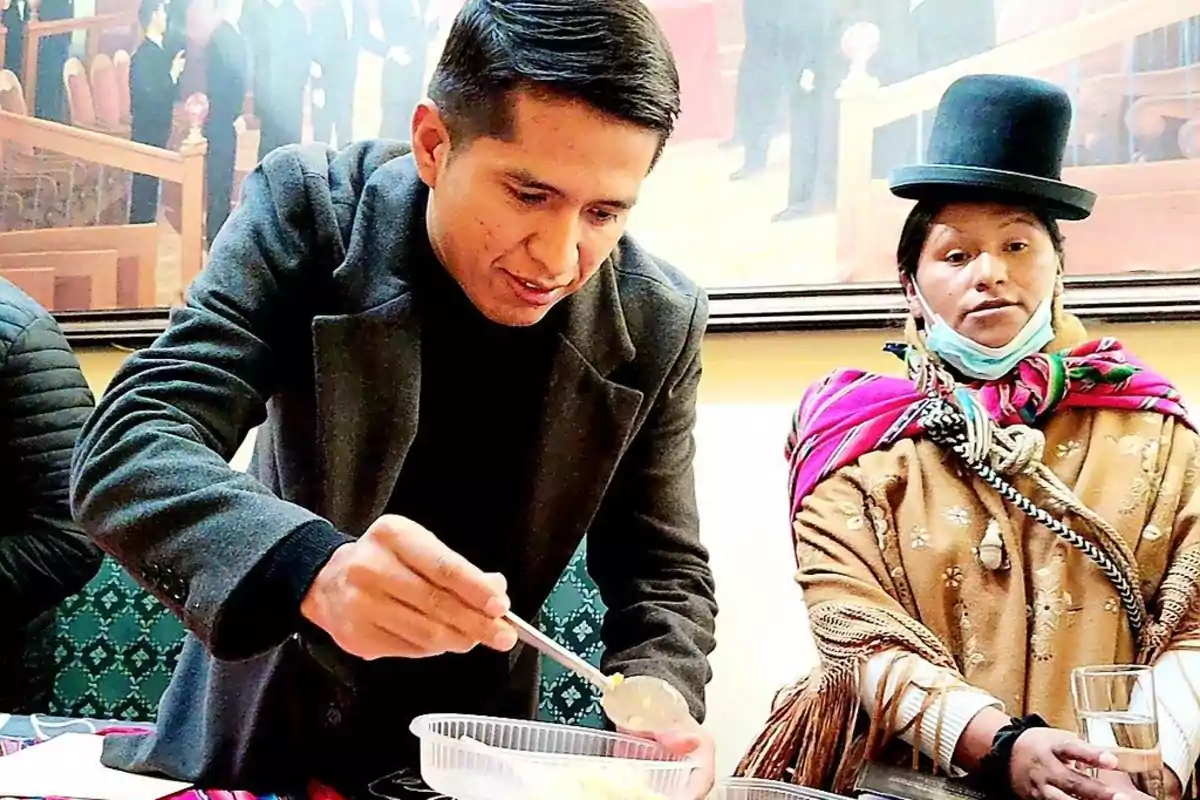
946	426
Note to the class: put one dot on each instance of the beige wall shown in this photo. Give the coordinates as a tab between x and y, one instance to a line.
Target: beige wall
751	383
774	367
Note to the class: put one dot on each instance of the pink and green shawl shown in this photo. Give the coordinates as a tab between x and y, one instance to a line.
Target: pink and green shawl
851	413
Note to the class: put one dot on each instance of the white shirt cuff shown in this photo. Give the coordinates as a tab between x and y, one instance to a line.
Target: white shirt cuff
958	706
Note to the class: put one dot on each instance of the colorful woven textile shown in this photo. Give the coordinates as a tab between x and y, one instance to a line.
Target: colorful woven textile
851	413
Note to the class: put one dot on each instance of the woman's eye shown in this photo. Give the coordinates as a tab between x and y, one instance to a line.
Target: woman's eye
1018	247
957	257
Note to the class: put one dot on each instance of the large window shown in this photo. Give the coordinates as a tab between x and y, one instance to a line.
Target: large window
772	193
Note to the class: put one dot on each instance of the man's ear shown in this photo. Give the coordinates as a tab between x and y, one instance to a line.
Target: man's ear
430	142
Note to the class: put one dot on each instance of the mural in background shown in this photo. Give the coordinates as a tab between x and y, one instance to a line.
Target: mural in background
793	113
819	100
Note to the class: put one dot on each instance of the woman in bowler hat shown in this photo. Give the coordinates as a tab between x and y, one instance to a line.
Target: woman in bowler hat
1024	501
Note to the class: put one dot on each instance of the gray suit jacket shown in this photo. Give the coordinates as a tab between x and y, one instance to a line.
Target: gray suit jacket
302	323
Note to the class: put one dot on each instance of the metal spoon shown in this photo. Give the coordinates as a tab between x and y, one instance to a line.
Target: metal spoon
639	704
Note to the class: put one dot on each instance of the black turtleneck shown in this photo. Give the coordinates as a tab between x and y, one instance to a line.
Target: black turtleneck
483	390
467	475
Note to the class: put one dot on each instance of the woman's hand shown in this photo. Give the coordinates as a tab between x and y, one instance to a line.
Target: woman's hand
1122	783
1043	767
1174	786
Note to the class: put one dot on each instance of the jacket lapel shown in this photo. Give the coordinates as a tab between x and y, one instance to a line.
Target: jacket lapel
588	422
368	382
367	361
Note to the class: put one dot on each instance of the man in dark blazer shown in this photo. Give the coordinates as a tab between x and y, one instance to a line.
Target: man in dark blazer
176	37
153	89
338	30
53	51
14	16
226	73
282	68
459	365
401	37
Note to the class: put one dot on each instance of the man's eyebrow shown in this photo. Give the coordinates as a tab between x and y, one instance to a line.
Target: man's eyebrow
527	180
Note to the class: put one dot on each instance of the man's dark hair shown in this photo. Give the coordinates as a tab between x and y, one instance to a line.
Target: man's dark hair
610	54
146	11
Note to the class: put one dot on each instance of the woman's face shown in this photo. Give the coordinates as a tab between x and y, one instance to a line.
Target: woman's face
984	269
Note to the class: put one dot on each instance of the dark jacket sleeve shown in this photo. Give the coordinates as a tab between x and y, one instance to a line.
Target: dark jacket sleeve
151	481
644	550
44	401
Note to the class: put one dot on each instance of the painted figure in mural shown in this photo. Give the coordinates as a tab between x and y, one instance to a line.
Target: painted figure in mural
356	308
1023	503
14	16
402	36
227	73
777	34
283	60
51	100
153	89
44	556
340	28
176	37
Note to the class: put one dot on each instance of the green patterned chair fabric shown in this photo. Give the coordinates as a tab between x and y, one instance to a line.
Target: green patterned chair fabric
572	616
118	645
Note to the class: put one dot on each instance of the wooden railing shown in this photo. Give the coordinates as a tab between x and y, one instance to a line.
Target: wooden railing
185	167
866	106
110	266
36	30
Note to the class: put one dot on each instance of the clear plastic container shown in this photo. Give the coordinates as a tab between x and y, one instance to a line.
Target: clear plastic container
756	789
486	758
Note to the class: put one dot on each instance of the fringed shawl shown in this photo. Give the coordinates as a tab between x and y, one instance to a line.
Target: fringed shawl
887	528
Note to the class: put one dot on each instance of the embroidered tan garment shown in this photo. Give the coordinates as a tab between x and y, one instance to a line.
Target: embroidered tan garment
889	557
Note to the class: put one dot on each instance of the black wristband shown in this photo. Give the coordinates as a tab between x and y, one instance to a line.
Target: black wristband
994	768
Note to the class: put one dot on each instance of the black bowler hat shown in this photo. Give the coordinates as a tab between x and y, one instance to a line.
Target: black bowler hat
998	138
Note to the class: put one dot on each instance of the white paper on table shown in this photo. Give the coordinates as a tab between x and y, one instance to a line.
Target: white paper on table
69	766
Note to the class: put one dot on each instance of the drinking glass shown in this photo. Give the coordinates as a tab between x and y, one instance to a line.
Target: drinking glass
1115	709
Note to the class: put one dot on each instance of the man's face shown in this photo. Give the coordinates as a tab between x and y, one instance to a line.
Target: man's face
158	22
523	223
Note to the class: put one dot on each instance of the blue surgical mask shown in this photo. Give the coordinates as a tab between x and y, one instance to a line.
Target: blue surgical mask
973	360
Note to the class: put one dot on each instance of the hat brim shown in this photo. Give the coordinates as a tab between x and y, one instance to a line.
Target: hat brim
952	181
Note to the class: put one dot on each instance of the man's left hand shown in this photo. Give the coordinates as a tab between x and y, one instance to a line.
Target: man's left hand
691	740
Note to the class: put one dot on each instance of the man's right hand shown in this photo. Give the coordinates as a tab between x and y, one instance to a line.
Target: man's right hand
1045	766
400	592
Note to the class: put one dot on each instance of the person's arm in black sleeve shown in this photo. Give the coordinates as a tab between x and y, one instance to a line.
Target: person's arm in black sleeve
151	480
644	551
44	401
